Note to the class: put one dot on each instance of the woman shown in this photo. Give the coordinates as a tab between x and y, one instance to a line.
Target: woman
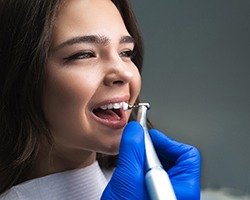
66	69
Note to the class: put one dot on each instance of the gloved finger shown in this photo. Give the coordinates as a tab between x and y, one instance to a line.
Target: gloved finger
185	160
172	151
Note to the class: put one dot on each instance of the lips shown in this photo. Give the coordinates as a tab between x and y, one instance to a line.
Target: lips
111	115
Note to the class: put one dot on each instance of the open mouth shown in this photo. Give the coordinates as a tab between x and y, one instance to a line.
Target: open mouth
111	114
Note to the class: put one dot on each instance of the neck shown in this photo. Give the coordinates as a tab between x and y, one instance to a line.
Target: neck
53	160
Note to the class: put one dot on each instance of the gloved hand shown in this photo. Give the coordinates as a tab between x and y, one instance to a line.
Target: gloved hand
127	181
182	162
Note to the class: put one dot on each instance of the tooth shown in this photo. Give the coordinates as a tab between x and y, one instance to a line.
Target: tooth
125	106
110	106
116	105
104	107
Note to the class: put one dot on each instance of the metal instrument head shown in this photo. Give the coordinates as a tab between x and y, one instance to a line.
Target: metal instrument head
144	104
129	107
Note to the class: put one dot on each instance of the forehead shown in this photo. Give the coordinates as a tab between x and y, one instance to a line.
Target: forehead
87	17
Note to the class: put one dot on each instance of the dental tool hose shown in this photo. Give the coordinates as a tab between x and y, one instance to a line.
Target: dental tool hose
157	180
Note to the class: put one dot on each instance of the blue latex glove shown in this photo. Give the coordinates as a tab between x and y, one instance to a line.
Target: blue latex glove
181	160
182	163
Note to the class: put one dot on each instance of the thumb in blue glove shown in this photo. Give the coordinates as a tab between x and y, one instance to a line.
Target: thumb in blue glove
127	181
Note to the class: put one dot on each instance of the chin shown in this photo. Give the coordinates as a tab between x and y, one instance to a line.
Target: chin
112	149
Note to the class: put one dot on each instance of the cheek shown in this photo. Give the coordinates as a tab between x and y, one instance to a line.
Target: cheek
66	94
63	91
135	85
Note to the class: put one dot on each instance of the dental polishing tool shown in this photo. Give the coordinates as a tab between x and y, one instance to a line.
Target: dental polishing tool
157	180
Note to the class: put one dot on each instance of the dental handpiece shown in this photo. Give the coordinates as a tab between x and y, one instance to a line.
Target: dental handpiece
157	180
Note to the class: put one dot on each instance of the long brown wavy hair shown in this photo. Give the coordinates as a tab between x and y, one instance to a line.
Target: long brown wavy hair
25	37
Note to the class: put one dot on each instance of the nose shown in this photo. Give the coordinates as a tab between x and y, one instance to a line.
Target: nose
118	73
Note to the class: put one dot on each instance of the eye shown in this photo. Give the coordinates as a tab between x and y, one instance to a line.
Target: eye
80	56
128	54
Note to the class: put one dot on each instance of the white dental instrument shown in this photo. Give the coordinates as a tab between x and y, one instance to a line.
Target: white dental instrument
157	180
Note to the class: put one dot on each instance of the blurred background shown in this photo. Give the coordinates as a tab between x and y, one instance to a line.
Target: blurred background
197	79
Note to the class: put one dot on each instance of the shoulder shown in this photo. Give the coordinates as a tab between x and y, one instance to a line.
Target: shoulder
86	183
23	191
11	194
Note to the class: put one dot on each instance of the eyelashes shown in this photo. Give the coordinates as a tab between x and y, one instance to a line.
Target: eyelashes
130	54
80	55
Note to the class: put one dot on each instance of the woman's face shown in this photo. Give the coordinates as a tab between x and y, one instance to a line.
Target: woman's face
89	69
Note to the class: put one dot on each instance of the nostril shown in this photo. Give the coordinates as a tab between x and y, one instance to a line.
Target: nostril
118	82
118	77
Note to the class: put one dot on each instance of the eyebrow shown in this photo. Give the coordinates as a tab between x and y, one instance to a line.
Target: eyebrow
94	39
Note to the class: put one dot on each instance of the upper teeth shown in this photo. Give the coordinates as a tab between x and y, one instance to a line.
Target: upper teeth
114	106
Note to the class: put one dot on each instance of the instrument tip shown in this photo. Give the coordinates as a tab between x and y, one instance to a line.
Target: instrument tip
144	104
129	107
